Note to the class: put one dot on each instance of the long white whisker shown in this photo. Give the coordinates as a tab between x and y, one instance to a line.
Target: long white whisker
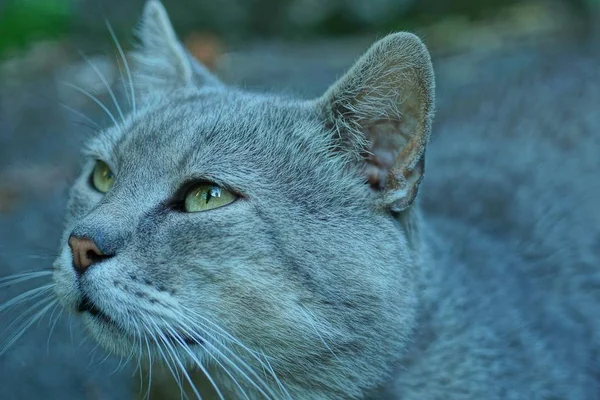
71	328
53	322
236	357
253	353
40	257
198	362
18	278
176	361
235	381
127	69
186	332
92	354
132	352
29	311
122	360
164	357
274	375
106	84
224	333
139	366
106	357
149	368
122	79
82	116
24	328
119	365
95	100
28	295
310	321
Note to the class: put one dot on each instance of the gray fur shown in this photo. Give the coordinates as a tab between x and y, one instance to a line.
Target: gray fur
341	285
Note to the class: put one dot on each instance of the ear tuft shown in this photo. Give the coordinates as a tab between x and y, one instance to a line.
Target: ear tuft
382	111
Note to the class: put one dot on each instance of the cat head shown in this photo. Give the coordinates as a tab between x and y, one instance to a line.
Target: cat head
212	223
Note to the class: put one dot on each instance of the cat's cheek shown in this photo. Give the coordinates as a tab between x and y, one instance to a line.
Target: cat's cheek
82	199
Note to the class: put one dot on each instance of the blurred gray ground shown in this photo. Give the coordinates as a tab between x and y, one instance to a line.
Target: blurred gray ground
39	154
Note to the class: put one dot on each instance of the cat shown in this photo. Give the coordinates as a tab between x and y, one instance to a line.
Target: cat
258	246
208	215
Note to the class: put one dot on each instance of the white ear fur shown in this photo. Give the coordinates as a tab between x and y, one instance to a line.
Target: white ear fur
382	110
162	60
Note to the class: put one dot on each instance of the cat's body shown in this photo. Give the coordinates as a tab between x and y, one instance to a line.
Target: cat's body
343	287
514	293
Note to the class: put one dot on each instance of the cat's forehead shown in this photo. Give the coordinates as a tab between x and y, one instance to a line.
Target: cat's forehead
189	127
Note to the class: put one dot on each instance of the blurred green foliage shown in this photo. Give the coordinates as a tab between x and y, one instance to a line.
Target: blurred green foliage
23	21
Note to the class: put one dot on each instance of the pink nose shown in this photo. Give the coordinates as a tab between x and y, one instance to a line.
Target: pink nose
85	253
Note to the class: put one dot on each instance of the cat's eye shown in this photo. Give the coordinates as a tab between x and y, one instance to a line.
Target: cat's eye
102	177
206	196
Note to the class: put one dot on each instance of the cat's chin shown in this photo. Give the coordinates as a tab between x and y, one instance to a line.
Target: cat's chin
116	340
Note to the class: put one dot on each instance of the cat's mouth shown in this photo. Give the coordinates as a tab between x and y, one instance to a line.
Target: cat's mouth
87	306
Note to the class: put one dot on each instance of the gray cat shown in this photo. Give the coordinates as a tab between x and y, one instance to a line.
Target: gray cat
255	246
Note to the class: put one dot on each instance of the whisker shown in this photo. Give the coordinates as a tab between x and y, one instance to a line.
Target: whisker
92	354
150	330
140	369
106	84
24	315
253	353
71	327
28	295
305	310
223	332
124	361
81	115
149	369
109	353
122	79
235	381
53	321
22	277
118	367
40	256
17	335
176	361
274	375
198	362
233	365
95	100
125	62
186	332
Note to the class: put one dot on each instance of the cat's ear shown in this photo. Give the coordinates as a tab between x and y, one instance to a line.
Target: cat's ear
161	60
382	111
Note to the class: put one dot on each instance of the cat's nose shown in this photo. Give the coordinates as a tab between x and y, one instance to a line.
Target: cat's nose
85	253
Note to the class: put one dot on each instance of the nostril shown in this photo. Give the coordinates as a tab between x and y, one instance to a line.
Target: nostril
95	257
85	253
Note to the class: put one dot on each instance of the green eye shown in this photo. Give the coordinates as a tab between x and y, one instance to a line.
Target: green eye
102	177
205	197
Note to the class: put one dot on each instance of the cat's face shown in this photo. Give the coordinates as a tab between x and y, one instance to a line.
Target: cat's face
214	221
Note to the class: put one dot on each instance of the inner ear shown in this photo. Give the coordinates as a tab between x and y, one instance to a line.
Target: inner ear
382	110
382	149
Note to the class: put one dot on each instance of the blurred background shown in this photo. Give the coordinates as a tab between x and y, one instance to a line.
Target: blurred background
482	50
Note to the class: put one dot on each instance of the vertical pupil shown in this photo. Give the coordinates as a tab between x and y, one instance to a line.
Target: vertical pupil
214	191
